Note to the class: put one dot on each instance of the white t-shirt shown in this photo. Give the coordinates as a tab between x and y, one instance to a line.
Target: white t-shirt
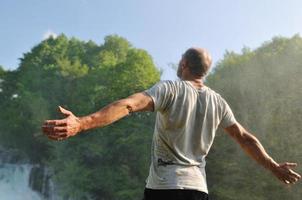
186	122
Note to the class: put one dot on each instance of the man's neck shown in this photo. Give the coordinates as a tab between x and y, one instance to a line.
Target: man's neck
196	82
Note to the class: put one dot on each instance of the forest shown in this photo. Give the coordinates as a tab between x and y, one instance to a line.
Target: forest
262	86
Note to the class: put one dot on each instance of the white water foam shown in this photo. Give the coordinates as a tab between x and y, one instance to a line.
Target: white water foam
14	183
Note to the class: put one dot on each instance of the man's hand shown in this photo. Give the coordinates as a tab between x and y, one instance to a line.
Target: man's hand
285	174
62	128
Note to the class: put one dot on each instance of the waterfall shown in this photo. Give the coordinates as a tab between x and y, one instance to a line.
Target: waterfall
14	182
20	180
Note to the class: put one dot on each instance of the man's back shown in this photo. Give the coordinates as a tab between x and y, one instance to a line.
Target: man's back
186	122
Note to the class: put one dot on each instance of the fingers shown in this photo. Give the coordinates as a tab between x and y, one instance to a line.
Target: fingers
288	180
58	137
57	122
55	133
289	165
285	174
54	129
289	177
64	111
292	179
295	174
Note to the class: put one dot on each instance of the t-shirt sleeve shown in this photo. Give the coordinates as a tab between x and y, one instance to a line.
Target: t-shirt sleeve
161	94
228	118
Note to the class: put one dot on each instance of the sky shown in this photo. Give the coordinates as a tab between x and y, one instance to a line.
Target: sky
165	28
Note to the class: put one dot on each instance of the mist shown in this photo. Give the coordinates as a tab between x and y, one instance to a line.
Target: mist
263	88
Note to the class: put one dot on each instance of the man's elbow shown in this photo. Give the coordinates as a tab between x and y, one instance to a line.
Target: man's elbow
247	139
125	104
137	102
241	135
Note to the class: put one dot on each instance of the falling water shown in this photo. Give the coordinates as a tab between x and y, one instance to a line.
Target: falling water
14	183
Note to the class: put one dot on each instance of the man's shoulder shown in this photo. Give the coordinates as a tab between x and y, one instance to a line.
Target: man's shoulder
170	84
177	85
174	83
214	94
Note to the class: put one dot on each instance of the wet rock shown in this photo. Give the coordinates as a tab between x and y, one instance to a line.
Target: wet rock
40	181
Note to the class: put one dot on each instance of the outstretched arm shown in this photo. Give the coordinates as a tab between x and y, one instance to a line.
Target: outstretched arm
72	125
251	145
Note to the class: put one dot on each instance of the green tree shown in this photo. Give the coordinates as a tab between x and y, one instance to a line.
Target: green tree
263	88
2	74
109	163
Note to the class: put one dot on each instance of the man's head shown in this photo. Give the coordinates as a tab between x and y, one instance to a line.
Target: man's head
195	62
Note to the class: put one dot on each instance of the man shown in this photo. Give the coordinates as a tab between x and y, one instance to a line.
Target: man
188	115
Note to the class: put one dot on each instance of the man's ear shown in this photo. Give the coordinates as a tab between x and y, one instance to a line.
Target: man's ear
183	64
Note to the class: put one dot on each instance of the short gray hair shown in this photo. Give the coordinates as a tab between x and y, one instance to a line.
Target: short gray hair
198	60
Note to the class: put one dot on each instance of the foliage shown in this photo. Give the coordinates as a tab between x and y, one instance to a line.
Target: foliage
107	163
263	87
